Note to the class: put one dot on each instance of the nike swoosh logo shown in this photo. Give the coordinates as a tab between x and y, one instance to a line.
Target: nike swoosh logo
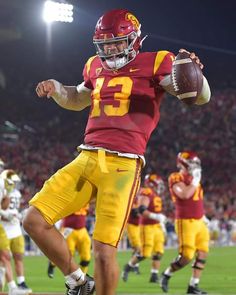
134	70
121	170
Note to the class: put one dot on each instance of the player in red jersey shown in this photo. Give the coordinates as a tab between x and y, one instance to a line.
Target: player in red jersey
190	224
124	88
151	226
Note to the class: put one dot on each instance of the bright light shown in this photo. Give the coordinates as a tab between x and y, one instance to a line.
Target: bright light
57	12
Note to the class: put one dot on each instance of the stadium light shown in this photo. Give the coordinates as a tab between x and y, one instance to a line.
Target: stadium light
57	12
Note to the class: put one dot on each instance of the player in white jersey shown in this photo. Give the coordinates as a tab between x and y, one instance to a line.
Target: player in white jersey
8	179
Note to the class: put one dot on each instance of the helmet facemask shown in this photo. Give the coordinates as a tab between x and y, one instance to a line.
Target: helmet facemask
117	59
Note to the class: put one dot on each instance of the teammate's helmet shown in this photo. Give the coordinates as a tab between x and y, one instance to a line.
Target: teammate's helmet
155	182
113	27
188	160
11	178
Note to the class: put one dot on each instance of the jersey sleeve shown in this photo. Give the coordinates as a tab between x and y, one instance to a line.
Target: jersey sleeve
86	73
163	64
173	179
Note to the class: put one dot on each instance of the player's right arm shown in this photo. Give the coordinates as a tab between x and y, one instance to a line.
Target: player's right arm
68	97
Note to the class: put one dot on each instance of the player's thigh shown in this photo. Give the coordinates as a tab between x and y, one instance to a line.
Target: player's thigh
186	232
17	245
147	239
65	192
116	191
84	245
4	241
133	232
203	238
159	240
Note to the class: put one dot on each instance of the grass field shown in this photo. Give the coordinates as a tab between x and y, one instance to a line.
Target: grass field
219	276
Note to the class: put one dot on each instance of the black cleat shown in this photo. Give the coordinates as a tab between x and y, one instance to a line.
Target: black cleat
164	281
87	288
125	272
23	286
136	270
195	290
153	278
50	270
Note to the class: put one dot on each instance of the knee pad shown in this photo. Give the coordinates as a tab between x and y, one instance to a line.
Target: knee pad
139	257
84	262
157	256
179	263
199	264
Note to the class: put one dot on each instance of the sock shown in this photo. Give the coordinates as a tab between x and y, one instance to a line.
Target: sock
11	285
137	265
20	279
153	270
130	264
194	281
168	272
76	278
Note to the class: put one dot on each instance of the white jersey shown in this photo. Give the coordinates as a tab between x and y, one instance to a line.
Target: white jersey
2	190
13	227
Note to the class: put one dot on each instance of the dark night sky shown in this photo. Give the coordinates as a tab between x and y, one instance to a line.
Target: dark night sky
207	27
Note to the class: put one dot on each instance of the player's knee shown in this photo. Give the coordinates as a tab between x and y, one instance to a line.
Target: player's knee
199	264
33	221
179	262
84	263
157	257
140	257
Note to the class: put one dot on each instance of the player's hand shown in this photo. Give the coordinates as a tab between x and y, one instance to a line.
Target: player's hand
45	88
158	217
194	57
7	215
197	175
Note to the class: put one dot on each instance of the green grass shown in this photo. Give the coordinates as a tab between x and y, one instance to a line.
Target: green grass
219	276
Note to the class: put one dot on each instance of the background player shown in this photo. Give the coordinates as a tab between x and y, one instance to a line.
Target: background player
193	235
151	226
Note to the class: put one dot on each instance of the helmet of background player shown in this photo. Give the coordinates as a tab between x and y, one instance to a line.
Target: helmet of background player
117	38
188	161
11	179
155	182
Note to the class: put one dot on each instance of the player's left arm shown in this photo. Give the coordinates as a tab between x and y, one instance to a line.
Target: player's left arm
205	94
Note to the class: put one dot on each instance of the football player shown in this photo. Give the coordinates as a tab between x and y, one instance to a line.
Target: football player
124	88
152	228
190	222
6	215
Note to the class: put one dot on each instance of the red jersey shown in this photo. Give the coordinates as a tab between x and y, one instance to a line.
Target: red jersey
76	220
125	103
155	204
189	208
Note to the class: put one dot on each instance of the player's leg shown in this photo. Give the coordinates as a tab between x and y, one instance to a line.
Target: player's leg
133	232
158	251
17	246
84	249
202	245
64	193
116	191
186	232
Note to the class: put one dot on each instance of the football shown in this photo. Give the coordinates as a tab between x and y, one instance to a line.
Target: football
187	78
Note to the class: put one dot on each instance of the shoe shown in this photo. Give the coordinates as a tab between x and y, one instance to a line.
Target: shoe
195	290
164	281
87	288
153	278
136	270
2	278
125	272
50	271
24	287
18	291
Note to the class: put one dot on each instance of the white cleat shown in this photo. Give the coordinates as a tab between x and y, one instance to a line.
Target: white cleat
19	291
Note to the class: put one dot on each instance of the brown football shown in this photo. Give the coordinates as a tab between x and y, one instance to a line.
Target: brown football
187	78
